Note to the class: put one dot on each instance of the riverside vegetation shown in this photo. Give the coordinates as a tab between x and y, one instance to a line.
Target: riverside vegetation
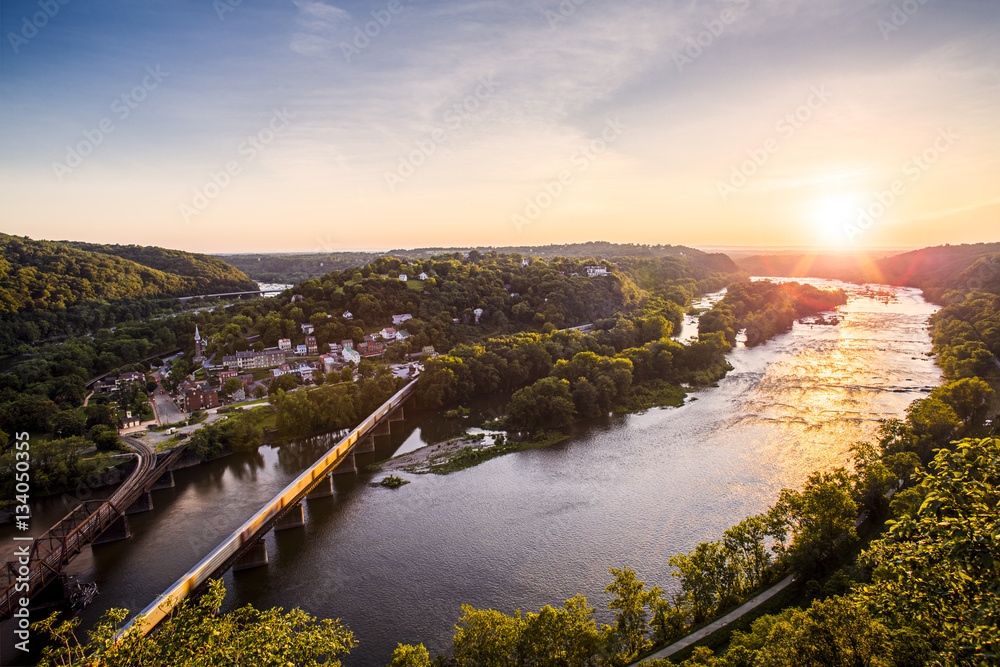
633	312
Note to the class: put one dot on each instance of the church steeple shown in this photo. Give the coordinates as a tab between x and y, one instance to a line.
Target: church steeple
197	336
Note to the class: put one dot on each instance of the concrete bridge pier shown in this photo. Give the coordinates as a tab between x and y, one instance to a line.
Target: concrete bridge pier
256	556
116	531
382	428
347	465
397	415
293	518
365	445
166	481
323	490
143	503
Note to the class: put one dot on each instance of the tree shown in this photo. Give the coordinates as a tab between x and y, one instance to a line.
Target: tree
285	382
709	579
937	571
933	423
547	402
105	439
821	516
630	604
965	396
232	385
560	637
197	635
406	655
486	638
68	422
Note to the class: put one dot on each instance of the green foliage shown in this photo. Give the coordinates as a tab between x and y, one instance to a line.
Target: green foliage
938	570
821	517
56	465
197	635
105	439
546	403
240	432
765	309
406	655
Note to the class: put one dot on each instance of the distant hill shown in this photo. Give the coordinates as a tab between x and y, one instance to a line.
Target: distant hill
297	267
52	275
939	267
208	273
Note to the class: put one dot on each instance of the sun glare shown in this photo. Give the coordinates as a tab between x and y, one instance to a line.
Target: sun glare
832	216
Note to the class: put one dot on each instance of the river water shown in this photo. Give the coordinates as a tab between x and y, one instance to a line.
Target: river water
540	526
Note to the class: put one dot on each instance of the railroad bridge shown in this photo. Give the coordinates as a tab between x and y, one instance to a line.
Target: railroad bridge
245	547
90	522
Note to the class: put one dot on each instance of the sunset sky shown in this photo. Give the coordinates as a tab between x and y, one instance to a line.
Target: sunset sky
320	125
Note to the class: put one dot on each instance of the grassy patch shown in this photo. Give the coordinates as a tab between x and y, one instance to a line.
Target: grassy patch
653	395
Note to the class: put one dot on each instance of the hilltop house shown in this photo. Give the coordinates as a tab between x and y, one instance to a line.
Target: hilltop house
307	328
348	315
402	276
399	319
422	276
596	271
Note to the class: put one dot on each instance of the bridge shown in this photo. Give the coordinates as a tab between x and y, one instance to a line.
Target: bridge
91	522
245	547
224	295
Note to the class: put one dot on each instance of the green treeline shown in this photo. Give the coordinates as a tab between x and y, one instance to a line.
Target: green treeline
766	309
566	375
332	406
50	289
805	533
967	334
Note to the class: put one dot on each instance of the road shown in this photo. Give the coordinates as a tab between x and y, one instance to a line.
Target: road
166	411
718	624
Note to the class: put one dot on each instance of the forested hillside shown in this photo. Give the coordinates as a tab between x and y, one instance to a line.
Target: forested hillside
296	267
207	273
933	269
50	288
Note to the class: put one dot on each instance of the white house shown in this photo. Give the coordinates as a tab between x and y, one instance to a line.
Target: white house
402	276
350	354
308	328
348	315
329	361
388	333
596	271
402	334
301	350
422	276
285	344
399	319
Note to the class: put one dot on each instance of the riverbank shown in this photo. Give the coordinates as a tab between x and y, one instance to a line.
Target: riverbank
466	451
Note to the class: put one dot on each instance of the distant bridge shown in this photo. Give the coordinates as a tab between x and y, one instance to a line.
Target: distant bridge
231	294
91	522
245	547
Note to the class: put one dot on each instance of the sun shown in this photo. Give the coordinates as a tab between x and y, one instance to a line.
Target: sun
832	216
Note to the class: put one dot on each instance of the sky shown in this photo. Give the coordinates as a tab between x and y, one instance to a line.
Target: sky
315	125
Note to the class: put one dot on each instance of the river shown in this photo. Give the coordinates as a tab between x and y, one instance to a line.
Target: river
539	526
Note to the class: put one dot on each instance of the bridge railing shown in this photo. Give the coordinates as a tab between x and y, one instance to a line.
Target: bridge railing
257	525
